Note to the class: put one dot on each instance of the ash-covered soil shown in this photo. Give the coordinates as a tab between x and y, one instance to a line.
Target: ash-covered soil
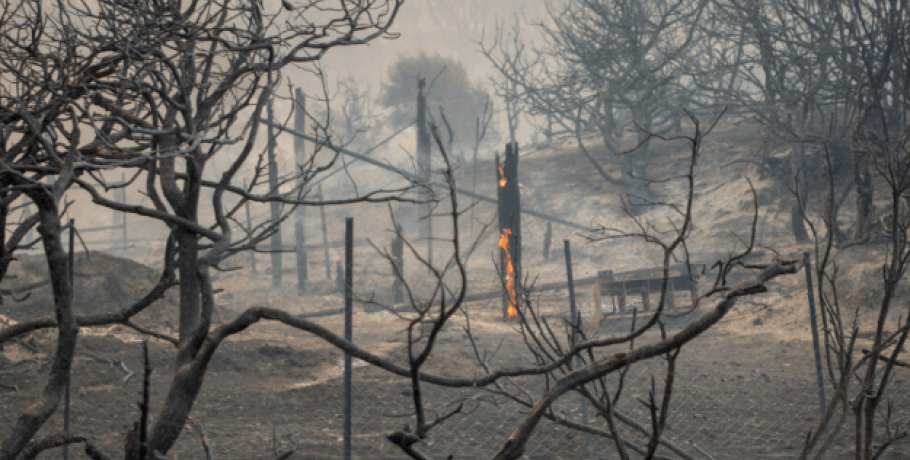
745	389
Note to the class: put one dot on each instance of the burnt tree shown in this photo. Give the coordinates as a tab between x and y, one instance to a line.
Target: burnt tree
509	217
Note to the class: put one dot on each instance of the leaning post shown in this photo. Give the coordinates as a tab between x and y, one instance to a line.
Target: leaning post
813	323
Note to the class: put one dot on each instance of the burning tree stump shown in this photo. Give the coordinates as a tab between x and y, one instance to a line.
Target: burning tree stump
509	212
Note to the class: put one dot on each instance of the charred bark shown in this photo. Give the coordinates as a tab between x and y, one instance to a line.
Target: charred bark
34	417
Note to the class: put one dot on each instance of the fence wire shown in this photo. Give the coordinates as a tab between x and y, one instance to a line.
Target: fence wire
727	402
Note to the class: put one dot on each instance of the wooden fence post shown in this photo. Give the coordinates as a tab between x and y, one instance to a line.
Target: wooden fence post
275	207
398	269
300	157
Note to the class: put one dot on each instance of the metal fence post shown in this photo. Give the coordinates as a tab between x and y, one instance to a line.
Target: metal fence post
807	266
576	322
123	214
66	395
547	238
348	328
573	312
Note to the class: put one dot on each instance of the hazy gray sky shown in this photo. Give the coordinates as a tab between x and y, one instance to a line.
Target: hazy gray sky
447	27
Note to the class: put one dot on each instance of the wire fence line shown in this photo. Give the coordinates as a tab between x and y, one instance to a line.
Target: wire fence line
724	405
726	402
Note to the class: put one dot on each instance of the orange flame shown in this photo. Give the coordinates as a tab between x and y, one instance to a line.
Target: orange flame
502	179
509	273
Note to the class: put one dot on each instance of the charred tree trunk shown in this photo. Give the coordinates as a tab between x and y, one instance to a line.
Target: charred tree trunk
833	202
862	178
635	164
511	112
509	212
607	127
196	306
797	225
33	418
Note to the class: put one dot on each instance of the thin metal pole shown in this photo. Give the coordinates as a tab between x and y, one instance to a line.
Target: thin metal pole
348	327
66	393
807	266
576	321
574	314
123	201
547	240
116	216
144	405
